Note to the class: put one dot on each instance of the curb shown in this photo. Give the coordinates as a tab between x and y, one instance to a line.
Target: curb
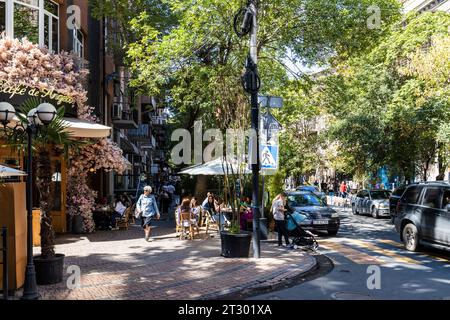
322	266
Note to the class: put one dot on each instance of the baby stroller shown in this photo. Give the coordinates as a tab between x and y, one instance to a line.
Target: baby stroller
300	237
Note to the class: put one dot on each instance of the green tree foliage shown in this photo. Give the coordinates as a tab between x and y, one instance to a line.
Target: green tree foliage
391	106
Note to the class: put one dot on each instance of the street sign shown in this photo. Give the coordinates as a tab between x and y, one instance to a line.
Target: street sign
270	102
270	127
269	157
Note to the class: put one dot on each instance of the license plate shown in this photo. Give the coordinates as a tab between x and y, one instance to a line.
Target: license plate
320	222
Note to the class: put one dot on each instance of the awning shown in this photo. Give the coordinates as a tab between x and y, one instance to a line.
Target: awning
79	128
84	129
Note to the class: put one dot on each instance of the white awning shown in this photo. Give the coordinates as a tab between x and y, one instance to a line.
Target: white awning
84	129
79	128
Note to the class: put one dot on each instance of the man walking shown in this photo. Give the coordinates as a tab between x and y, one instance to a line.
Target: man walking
149	208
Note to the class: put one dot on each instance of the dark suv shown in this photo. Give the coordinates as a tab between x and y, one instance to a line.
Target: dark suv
394	199
422	215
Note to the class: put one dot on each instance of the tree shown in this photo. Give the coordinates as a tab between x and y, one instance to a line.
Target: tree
390	105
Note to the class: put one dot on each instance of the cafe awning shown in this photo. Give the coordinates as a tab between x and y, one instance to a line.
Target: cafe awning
80	128
84	129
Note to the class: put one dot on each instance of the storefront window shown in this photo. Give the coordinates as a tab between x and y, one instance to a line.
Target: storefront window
38	20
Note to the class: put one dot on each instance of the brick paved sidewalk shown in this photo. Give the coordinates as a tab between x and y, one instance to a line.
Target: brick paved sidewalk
122	265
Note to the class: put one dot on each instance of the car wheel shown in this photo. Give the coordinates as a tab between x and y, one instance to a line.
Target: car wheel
375	213
354	210
410	237
332	232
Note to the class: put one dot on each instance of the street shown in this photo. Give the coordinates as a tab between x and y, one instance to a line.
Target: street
362	243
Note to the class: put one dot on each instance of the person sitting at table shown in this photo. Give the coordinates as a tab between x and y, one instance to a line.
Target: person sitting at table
119	210
209	194
196	209
246	215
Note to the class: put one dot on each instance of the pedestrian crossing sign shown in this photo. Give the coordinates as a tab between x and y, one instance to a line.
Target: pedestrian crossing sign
269	157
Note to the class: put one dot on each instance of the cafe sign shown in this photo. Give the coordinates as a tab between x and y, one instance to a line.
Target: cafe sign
18	93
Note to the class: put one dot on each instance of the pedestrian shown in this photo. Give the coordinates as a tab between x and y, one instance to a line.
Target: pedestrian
331	192
278	210
147	206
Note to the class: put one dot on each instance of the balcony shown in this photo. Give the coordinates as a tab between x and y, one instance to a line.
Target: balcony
125	120
158	121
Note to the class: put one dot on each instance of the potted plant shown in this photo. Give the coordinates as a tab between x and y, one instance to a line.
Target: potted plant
235	242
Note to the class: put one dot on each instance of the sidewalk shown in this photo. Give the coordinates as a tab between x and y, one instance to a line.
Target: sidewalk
122	265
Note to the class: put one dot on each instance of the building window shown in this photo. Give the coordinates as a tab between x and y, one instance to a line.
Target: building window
78	43
2	16
37	20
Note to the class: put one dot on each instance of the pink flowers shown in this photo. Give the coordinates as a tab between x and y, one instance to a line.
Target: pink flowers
24	62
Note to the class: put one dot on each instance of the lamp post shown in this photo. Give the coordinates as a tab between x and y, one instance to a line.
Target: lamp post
42	115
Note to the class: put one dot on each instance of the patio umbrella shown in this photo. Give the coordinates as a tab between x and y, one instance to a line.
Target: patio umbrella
217	167
10	172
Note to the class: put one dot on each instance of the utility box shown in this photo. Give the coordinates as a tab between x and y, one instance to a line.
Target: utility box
13	216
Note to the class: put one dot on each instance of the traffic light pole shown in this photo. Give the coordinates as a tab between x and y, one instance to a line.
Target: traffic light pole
255	127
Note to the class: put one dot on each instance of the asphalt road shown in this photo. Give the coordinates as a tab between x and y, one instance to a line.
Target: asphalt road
371	263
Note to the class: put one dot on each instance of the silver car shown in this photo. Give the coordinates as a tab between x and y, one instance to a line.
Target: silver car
373	202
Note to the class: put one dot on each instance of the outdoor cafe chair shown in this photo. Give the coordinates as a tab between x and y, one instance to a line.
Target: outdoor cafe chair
188	225
123	223
211	224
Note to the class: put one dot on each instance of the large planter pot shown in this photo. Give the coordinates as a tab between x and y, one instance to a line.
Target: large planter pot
49	271
77	225
235	245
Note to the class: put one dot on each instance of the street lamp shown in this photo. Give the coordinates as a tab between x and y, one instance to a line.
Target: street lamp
42	115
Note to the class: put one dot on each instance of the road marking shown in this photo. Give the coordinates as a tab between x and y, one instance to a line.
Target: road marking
356	256
399	245
384	252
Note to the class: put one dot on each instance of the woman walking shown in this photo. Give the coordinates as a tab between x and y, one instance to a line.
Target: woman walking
148	208
278	209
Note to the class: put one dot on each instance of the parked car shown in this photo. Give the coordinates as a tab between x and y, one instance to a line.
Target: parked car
422	215
373	202
314	190
319	217
393	200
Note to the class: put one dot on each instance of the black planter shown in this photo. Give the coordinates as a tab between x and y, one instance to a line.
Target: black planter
235	245
77	225
49	271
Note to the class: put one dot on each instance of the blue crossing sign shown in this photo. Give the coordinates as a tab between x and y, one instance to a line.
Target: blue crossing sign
269	157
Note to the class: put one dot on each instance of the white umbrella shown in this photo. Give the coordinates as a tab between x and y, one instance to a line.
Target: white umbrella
10	172
217	167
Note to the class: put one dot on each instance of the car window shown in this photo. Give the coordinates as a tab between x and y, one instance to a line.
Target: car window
365	194
360	194
380	195
446	199
432	198
399	191
412	195
302	200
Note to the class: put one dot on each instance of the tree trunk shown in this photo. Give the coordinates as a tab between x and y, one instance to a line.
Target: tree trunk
441	164
201	187
44	186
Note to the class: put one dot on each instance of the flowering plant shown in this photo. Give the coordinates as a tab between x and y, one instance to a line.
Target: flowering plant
25	63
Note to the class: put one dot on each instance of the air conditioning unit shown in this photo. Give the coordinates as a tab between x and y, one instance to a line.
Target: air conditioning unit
117	111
